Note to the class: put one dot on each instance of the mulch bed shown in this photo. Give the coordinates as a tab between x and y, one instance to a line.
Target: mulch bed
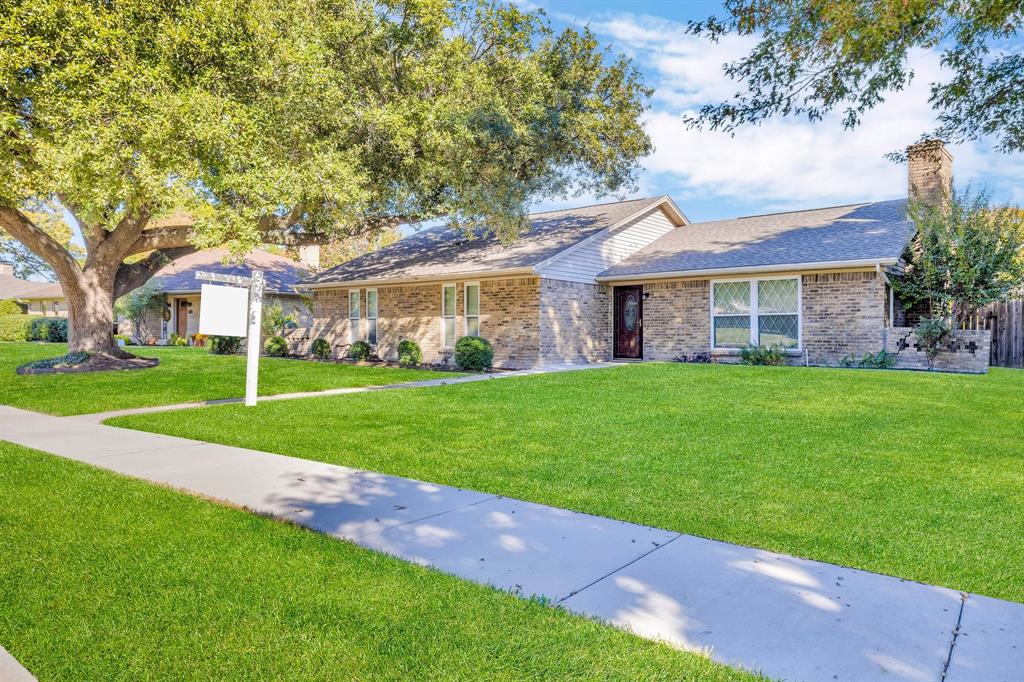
95	364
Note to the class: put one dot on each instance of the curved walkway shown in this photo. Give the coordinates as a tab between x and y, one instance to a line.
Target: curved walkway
785	616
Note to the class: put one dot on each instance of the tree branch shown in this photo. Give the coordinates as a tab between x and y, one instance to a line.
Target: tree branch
132	276
43	245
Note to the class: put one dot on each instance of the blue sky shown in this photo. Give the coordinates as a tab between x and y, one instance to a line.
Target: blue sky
784	164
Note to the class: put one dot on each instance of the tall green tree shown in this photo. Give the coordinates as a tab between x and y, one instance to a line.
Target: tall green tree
967	253
170	125
815	56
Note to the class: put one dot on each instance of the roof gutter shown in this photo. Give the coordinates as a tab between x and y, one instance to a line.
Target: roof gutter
397	281
876	263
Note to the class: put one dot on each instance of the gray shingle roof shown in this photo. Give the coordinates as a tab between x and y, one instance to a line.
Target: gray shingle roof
443	251
877	230
180	275
12	287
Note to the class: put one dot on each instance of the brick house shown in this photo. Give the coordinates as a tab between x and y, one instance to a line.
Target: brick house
636	280
179	290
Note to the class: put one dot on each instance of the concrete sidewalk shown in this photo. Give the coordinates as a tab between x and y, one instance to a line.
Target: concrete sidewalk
789	618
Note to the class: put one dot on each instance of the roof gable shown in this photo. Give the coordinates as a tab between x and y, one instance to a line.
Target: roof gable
443	251
281	273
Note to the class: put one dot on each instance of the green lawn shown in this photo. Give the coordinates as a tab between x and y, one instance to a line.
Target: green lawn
184	375
106	578
913	474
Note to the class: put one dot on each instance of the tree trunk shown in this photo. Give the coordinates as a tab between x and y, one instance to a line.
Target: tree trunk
90	299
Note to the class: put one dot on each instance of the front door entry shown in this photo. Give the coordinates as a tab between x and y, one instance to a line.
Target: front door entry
629	313
181	324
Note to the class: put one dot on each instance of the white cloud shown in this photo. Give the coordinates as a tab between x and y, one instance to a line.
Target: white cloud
783	163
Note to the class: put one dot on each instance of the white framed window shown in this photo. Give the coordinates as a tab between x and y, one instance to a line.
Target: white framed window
371	316
353	315
448	337
472	306
759	312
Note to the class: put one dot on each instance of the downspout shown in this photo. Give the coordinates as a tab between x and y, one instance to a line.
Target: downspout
892	320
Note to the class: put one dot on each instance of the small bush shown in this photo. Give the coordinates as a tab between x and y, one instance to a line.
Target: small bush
409	353
59	362
881	360
225	345
762	355
360	350
16	327
9	306
321	348
54	329
473	353
930	333
127	340
276	347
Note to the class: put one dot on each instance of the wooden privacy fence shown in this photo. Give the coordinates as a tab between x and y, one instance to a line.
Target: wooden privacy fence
1005	320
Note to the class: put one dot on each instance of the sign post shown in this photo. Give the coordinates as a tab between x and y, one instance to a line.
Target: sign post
224	311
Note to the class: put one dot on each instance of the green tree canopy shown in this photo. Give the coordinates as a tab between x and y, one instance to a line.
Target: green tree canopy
166	126
967	253
818	55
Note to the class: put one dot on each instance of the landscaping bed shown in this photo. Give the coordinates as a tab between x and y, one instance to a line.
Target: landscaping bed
108	578
918	475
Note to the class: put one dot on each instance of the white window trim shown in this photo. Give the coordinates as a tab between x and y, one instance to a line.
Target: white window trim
465	307
375	317
455	316
355	332
754	312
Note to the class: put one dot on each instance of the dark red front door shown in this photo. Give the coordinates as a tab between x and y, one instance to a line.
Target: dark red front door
629	313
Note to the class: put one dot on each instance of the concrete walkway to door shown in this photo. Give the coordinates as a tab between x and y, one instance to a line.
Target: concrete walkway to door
788	617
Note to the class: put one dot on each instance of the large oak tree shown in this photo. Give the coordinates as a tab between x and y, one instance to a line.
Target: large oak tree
165	126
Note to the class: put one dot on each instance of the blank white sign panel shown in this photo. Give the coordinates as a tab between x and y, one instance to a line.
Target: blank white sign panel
224	311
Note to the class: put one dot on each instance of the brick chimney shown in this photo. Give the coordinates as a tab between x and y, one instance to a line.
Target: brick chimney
929	171
6	268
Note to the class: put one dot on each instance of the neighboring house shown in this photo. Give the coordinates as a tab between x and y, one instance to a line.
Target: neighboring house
178	312
635	280
38	298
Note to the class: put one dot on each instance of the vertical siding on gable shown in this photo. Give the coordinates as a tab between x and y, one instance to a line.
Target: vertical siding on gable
598	253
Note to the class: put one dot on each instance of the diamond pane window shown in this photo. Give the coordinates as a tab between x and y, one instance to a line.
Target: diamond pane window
778	330
732	298
777	296
732	332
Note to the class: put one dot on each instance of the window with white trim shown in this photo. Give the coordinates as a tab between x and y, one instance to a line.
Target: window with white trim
371	316
353	315
472	310
448	315
760	312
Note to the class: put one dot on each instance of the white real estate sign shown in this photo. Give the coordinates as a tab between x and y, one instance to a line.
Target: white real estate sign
230	311
224	311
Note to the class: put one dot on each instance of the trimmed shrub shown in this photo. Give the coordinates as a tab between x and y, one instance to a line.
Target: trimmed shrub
762	355
9	306
16	327
360	350
225	345
276	347
321	348
409	352
473	353
125	338
54	329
